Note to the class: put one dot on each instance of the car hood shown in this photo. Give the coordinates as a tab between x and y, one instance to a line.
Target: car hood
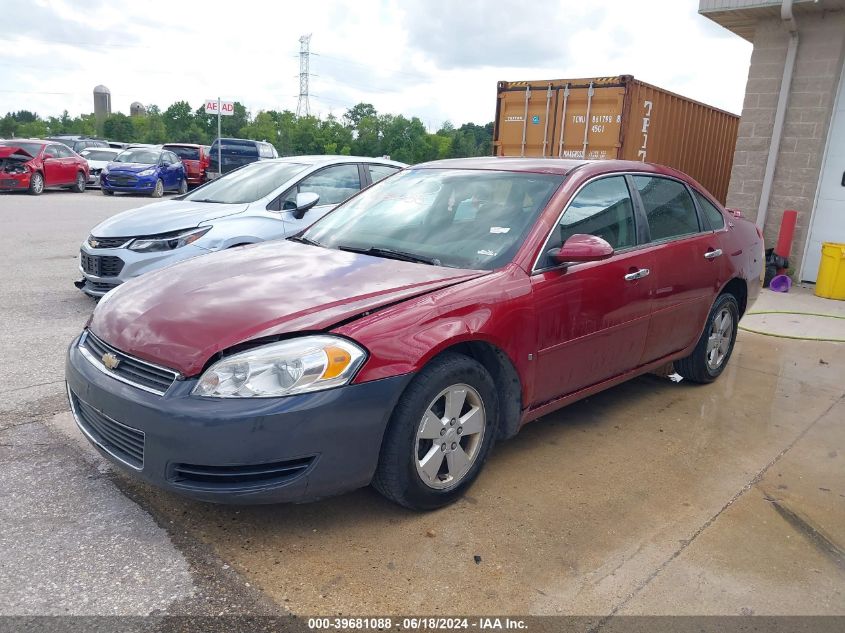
96	164
15	153
163	217
180	316
130	167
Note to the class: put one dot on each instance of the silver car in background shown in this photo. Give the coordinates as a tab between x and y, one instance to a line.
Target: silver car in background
266	200
98	157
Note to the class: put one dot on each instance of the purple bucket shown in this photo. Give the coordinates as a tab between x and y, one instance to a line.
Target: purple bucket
780	283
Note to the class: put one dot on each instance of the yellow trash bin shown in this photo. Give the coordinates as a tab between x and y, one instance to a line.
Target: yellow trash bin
830	283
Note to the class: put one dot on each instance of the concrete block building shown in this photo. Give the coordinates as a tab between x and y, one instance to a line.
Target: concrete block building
790	151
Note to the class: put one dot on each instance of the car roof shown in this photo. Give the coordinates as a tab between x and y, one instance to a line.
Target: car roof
561	166
322	159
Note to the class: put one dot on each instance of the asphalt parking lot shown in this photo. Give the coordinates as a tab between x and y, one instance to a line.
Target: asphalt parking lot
654	497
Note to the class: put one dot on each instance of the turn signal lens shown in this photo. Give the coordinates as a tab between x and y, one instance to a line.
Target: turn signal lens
338	360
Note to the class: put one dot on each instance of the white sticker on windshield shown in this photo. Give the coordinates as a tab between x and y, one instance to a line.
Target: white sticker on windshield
499	229
485	252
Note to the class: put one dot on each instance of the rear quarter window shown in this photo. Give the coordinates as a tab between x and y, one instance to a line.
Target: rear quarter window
713	216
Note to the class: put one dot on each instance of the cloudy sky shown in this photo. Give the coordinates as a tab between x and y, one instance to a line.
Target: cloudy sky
436	59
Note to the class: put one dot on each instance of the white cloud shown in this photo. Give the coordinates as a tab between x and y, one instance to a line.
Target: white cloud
436	59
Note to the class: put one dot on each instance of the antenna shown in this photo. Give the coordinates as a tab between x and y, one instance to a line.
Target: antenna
303	106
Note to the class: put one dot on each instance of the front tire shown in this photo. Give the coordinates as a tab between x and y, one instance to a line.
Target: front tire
36	184
107	192
439	435
158	190
79	185
710	356
183	187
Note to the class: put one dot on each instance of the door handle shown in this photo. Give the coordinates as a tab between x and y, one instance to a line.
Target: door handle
637	274
713	254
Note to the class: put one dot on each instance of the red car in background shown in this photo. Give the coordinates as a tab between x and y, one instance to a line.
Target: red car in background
194	158
404	333
33	165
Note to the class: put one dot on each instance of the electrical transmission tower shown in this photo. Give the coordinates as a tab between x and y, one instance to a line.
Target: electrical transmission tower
303	106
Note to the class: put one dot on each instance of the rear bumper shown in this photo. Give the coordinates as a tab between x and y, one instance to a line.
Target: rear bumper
262	450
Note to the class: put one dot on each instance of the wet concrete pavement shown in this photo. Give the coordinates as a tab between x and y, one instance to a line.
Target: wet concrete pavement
654	497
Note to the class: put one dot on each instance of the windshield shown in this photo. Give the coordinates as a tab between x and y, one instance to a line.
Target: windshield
458	218
97	154
30	148
142	156
185	153
248	184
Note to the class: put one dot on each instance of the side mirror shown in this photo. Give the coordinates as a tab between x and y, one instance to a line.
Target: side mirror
304	201
581	248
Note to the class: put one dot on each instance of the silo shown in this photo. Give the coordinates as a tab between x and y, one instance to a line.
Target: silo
137	109
102	106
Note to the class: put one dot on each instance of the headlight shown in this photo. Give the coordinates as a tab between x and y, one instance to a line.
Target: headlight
147	172
310	363
167	241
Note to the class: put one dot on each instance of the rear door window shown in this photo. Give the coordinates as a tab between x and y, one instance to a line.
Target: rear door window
333	185
668	207
602	208
379	172
185	153
713	216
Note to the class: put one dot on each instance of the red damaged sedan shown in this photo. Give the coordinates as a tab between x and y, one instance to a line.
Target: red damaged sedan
32	166
403	334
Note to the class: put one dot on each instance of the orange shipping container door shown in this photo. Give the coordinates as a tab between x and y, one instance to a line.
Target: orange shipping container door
588	121
668	129
524	124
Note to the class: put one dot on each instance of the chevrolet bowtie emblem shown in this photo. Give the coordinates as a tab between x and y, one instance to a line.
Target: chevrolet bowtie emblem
93	243
110	360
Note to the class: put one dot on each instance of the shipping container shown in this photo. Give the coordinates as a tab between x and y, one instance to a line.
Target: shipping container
616	117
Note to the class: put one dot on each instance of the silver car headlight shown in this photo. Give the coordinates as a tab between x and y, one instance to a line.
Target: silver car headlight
167	241
147	172
300	365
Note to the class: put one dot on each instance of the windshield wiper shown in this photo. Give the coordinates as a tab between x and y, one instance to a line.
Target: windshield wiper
304	240
206	200
389	253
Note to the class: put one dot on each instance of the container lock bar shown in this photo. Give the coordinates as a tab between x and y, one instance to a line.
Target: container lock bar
590	93
563	120
546	128
525	119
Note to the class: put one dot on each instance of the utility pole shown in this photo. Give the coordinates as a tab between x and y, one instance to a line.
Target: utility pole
303	107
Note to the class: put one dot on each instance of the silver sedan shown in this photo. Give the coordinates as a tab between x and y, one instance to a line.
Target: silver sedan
266	200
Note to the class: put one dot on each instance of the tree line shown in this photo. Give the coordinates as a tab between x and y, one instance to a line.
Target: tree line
361	131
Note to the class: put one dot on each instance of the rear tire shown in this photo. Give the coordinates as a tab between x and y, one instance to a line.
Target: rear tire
36	184
439	435
79	185
713	350
158	190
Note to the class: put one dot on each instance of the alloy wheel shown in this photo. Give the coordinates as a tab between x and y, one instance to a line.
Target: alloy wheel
449	436
719	341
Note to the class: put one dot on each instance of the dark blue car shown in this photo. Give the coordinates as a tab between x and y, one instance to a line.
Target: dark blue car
144	170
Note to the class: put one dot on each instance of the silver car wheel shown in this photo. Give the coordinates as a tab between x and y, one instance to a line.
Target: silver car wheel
719	341
37	183
449	437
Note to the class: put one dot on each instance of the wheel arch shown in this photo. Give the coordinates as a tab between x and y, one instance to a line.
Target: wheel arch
737	287
504	374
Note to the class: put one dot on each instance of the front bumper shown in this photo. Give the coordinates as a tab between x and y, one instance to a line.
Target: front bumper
262	450
14	182
133	265
143	184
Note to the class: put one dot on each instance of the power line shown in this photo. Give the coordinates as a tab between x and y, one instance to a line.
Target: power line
340	60
304	60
